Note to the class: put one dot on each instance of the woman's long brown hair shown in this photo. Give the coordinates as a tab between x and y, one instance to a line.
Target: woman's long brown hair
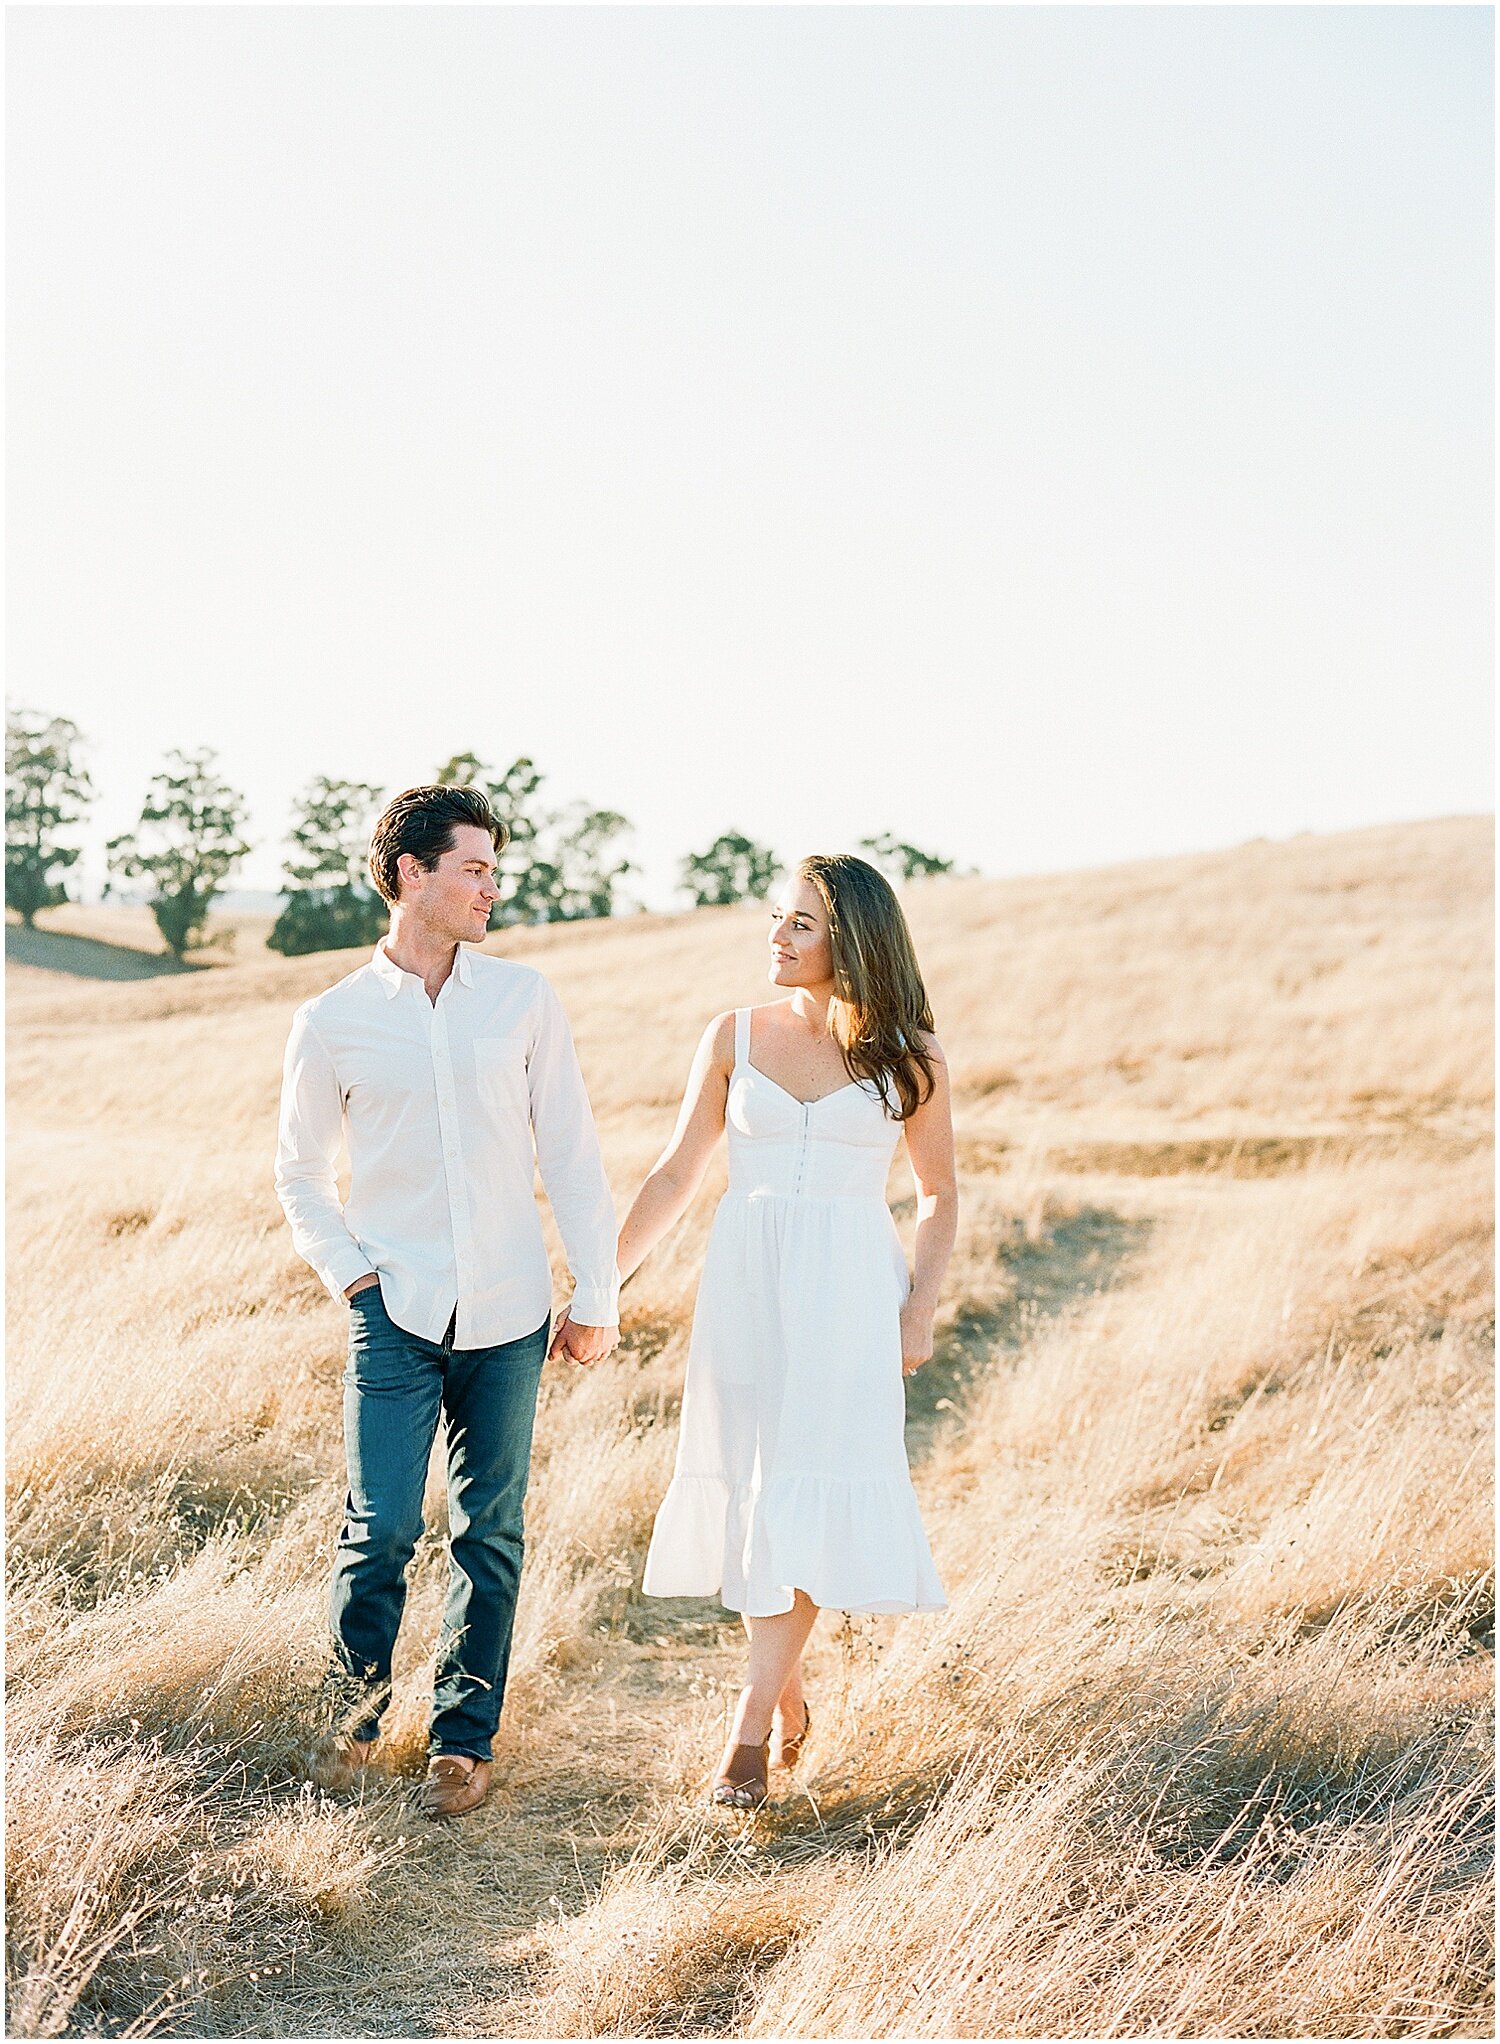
879	1006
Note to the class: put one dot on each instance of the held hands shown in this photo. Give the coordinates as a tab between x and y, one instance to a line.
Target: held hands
581	1344
916	1336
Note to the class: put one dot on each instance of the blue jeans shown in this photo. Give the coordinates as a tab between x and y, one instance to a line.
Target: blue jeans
395	1388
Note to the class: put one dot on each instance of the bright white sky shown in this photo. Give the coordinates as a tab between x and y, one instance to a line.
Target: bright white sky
1056	435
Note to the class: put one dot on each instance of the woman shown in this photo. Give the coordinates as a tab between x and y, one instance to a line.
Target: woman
791	1489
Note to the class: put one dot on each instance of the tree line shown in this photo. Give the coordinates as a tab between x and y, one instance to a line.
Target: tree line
559	866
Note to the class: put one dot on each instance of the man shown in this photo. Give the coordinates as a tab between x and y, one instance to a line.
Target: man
448	1071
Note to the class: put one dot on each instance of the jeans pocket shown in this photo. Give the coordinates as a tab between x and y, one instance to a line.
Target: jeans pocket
379	1356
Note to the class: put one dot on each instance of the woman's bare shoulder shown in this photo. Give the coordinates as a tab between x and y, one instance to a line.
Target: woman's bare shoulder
718	1038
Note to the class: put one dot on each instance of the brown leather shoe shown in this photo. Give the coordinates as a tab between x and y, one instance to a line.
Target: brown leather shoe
455	1782
337	1761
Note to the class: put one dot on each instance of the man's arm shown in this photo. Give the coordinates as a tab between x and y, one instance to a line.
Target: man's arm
307	1148
567	1149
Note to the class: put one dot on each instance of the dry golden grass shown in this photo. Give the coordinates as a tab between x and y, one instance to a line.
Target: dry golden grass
1200	1747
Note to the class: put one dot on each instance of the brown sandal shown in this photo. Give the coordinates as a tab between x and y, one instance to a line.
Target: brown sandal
786	1752
743	1784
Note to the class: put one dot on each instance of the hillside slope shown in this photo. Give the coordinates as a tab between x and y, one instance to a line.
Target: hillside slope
1198	1748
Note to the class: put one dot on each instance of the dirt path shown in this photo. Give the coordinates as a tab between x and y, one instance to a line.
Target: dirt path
627	1750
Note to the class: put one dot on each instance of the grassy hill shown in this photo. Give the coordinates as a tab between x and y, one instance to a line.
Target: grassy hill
1199	1747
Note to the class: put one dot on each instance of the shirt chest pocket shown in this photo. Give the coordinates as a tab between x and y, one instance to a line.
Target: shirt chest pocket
500	1079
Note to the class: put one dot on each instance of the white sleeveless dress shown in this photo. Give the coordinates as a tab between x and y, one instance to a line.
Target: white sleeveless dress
791	1461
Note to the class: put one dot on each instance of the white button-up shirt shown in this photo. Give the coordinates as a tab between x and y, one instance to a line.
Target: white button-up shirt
445	1106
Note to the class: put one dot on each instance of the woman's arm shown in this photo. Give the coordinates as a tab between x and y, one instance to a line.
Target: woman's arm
669	1186
929	1145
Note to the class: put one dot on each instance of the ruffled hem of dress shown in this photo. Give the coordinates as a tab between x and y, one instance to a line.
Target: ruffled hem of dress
831	1537
689	1528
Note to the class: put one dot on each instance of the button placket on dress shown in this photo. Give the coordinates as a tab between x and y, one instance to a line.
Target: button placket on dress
791	1468
806	1107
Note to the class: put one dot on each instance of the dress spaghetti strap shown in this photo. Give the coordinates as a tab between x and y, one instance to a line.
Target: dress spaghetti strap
741	1037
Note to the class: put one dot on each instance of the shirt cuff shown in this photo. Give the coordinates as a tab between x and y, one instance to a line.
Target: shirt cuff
596	1305
343	1268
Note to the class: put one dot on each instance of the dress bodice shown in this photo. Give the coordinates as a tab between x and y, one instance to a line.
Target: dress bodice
835	1147
791	1470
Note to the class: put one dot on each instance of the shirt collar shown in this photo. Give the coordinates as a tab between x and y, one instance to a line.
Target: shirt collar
392	978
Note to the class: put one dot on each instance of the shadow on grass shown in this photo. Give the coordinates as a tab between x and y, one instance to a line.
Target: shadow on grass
87	957
1072	1260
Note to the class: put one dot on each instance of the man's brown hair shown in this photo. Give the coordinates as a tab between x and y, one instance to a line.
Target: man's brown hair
422	821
